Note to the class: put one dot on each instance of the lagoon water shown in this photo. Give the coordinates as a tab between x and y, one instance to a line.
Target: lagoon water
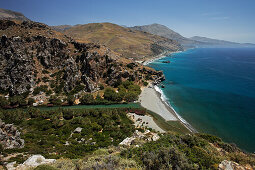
213	89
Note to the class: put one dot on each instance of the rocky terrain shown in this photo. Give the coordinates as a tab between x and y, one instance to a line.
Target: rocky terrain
34	55
8	14
10	136
127	42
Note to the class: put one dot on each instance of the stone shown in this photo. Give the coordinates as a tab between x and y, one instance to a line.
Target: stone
230	165
32	161
77	130
10	137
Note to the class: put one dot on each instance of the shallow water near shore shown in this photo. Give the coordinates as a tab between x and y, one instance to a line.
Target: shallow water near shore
214	90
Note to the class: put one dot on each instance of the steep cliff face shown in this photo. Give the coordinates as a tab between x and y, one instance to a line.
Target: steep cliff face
32	55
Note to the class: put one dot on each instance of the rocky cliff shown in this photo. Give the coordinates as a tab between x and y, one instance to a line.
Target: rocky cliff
33	55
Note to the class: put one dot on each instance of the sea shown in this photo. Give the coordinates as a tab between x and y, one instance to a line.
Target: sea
213	89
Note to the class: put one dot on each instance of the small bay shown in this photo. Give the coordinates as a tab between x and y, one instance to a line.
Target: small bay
213	89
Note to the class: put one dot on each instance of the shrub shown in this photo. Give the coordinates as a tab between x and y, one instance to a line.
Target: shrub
110	94
55	100
31	101
87	99
145	83
45	72
70	99
45	167
3	101
101	87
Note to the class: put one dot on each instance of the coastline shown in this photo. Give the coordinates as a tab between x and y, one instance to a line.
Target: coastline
162	55
163	100
160	95
152	98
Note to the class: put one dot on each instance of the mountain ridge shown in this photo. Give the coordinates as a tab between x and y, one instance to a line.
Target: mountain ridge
193	42
125	41
9	14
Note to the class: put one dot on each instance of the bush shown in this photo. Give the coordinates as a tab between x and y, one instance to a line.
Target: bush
45	72
3	101
55	100
70	99
101	87
45	167
145	83
31	101
87	99
111	95
131	96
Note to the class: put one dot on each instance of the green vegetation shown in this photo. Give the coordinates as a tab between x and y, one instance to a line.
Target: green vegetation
174	126
174	151
50	132
42	88
127	91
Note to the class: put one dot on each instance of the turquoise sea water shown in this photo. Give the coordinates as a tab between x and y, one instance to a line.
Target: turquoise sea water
213	89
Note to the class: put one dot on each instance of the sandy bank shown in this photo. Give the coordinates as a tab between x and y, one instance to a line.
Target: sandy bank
151	101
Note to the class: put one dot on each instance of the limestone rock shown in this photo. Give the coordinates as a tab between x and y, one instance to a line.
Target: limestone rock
137	135
230	165
10	136
32	161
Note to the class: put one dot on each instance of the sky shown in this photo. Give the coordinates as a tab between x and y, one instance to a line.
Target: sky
232	20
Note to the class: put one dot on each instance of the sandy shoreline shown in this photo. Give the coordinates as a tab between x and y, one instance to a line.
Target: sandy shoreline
151	100
162	55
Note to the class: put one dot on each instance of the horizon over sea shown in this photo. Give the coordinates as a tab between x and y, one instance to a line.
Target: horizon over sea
213	89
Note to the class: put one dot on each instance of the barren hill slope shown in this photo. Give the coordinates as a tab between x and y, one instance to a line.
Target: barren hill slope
127	42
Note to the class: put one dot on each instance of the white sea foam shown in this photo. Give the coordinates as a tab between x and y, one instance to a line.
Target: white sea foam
166	101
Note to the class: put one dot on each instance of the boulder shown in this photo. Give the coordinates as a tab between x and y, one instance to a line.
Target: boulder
31	162
10	136
230	165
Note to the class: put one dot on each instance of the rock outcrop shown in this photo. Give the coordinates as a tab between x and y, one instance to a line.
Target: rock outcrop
31	162
146	136
10	136
31	52
230	165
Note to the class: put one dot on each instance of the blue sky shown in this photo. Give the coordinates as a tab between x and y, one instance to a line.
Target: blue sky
232	20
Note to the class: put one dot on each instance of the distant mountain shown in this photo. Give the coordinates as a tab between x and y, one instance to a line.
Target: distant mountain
8	14
164	31
220	43
125	41
192	42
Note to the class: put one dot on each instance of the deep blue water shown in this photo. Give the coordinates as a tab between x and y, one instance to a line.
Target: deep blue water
213	89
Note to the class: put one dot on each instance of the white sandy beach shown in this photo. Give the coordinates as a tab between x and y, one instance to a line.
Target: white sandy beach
151	101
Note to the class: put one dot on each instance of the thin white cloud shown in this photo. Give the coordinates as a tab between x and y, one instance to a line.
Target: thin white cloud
220	18
211	13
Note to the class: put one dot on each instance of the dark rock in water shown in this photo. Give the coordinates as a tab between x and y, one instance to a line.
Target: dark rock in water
162	86
165	61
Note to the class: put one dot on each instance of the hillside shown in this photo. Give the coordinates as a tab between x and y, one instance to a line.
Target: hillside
43	64
129	43
193	42
220	43
164	31
8	14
